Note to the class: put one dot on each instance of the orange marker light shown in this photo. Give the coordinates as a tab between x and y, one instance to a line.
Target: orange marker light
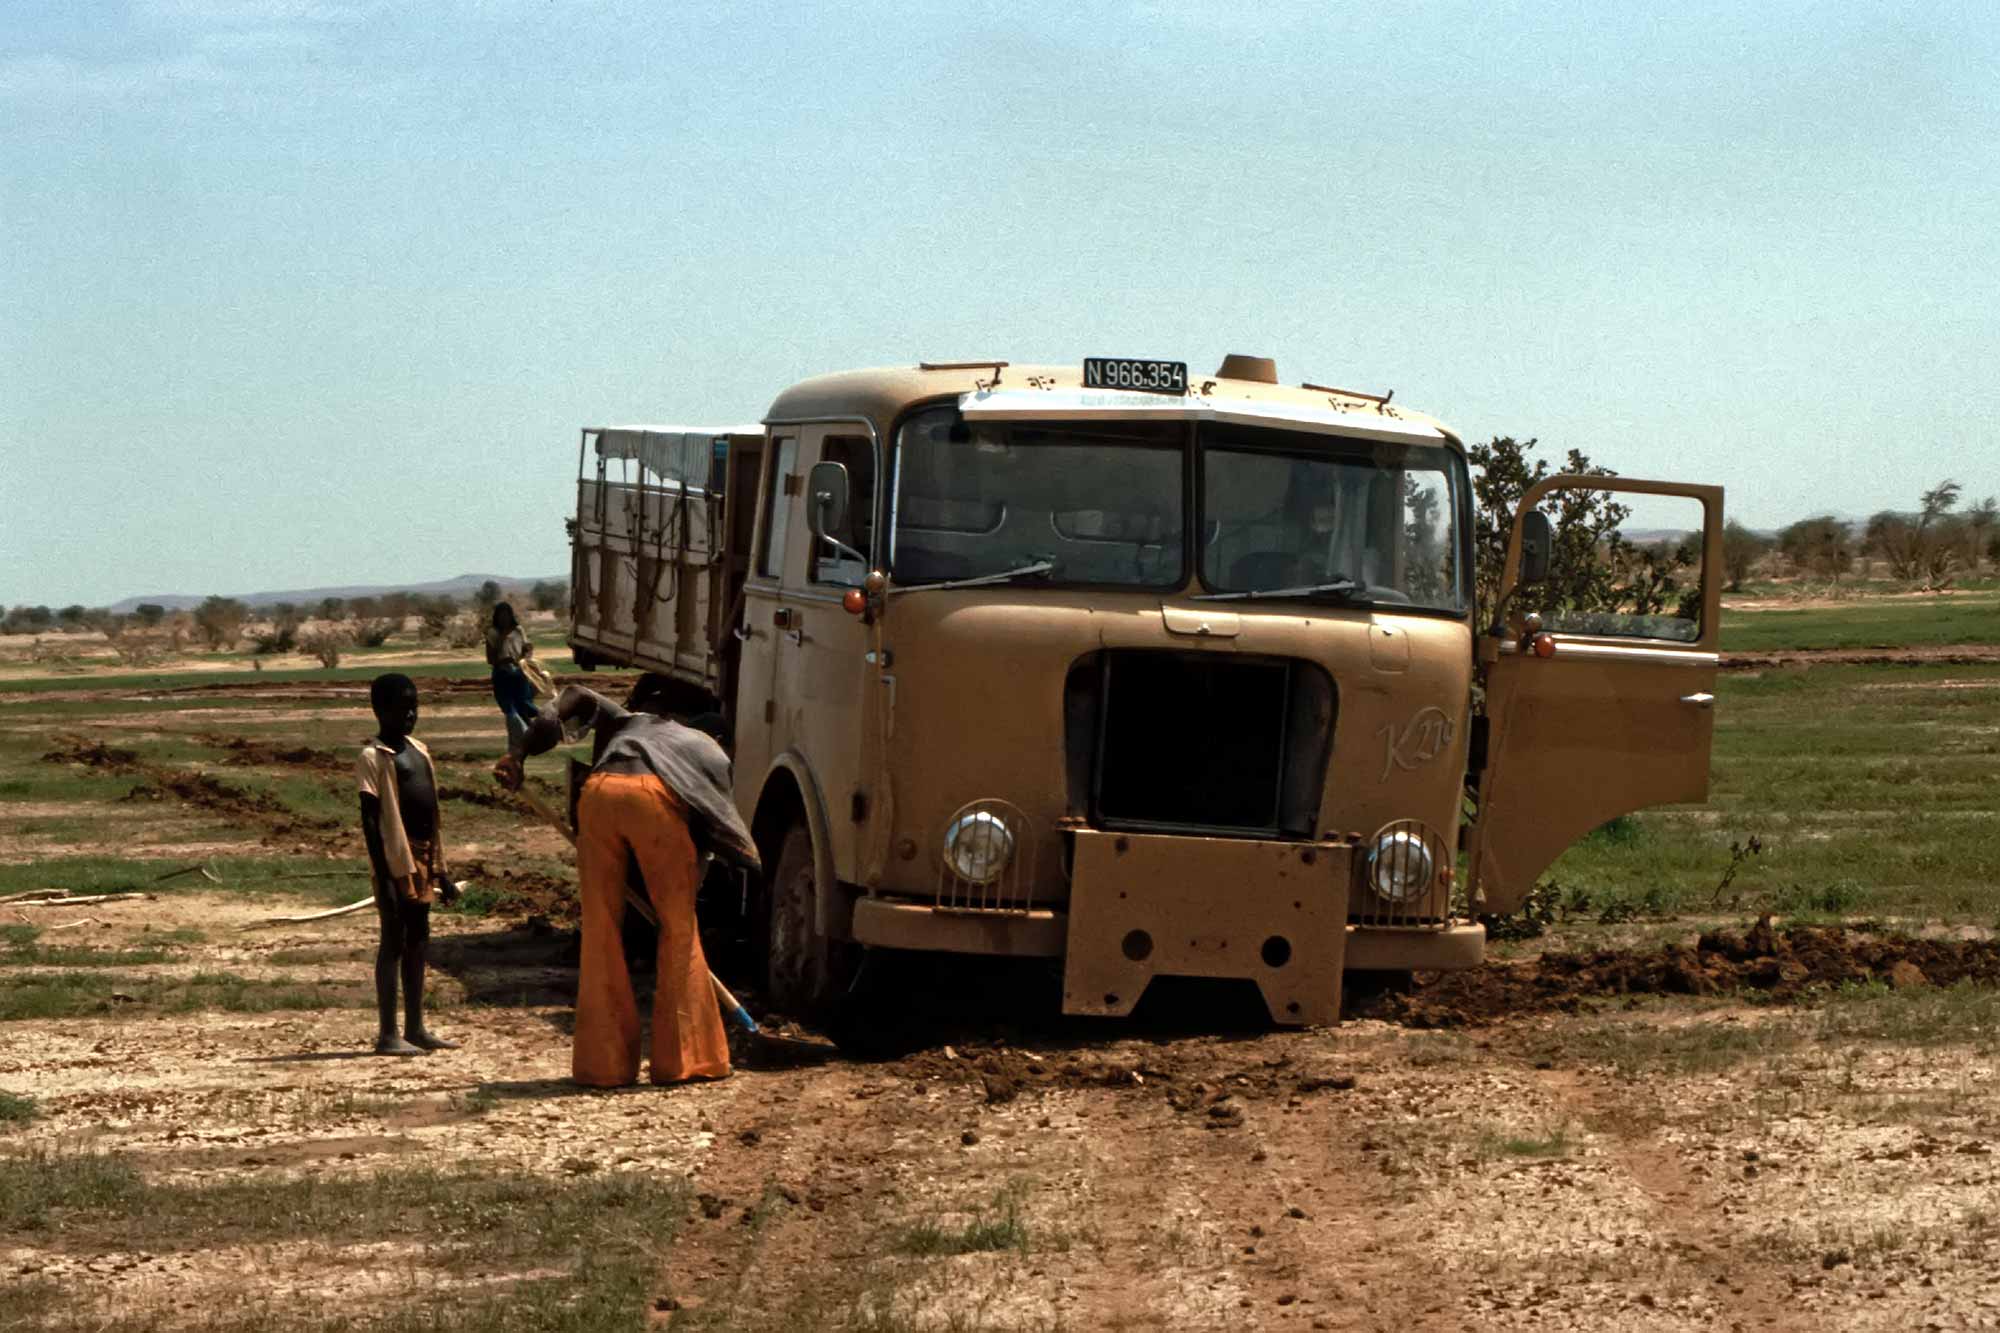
1545	645
855	602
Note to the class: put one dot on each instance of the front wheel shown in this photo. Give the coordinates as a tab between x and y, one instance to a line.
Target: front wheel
806	973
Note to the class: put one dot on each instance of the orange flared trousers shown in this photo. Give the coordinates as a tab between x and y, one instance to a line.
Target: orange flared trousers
634	815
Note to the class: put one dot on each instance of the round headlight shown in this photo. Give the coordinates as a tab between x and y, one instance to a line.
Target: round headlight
977	846
1401	866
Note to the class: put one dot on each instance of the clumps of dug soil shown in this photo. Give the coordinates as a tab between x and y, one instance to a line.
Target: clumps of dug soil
488	798
243	752
1196	1077
537	895
1784	964
158	782
91	754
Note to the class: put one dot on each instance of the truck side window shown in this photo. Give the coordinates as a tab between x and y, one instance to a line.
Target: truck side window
777	507
857	454
1643	580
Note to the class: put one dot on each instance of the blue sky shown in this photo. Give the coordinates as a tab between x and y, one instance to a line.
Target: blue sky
299	293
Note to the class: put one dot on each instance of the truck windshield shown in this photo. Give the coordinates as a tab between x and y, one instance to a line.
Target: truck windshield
1097	503
1304	515
1281	514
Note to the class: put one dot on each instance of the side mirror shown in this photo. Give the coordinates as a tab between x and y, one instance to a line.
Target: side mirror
1537	540
826	495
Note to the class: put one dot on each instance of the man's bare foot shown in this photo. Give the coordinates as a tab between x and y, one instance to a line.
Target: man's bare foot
431	1043
391	1044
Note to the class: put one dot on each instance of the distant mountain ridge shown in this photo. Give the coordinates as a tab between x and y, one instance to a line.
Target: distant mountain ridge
464	585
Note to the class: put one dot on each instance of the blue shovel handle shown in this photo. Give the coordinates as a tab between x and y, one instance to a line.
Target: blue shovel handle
734	1010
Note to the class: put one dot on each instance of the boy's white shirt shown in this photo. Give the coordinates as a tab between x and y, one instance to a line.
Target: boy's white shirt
375	770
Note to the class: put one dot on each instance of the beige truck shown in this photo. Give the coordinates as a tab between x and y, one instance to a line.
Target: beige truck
1149	673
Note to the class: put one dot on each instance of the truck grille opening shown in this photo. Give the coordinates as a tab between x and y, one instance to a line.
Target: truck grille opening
1198	741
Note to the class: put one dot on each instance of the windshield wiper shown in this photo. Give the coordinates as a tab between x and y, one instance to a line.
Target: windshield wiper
1341	585
1004	576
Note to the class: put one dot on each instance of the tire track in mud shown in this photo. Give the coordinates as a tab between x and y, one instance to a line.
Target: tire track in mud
1300	1231
1686	1215
785	1198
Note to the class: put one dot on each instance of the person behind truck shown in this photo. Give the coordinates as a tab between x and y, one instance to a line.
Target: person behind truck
657	798
399	822
507	647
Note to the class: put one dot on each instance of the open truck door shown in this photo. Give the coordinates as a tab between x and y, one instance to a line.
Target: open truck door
1591	715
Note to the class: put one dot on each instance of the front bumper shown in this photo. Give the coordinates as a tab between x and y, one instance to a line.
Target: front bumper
1146	905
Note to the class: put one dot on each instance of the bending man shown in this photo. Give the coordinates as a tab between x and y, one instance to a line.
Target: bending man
658	796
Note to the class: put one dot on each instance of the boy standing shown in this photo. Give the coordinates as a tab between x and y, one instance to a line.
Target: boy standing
399	820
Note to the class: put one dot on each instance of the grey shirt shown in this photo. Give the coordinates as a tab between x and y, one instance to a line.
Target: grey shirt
690	763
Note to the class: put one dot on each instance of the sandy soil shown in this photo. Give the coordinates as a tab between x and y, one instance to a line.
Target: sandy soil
1370	1176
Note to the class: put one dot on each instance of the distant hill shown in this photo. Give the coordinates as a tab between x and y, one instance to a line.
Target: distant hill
464	585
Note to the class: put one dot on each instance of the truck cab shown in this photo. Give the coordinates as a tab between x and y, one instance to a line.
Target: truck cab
1149	673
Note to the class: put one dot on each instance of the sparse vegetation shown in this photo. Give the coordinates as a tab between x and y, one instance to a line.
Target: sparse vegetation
58	994
326	643
218	622
1821	547
591	1242
999	1225
1551	1141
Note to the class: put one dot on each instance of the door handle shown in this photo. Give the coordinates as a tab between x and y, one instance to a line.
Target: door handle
1702	700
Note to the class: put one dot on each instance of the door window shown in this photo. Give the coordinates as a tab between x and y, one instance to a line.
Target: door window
1632	570
777	507
856	453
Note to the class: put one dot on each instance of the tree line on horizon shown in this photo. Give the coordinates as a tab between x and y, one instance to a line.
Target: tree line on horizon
1594	566
323	629
1927	547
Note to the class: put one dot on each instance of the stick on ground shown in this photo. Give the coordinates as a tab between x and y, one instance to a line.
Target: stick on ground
88	900
327	915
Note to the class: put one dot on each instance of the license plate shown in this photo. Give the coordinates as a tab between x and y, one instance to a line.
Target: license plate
1110	372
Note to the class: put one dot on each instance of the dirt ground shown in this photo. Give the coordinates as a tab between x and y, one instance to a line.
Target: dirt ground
1378	1175
1753	1125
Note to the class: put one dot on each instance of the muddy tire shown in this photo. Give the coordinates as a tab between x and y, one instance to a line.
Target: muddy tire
806	974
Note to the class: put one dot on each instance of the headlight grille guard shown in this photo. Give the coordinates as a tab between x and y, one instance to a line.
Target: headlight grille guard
1013	888
1427	910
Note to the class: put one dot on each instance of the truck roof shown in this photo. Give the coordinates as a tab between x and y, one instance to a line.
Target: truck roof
884	393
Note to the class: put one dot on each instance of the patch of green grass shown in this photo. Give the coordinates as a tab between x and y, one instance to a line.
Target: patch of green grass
1641	1046
1554	1141
24	945
80	955
254	876
605	1234
1900	622
997	1226
39	1187
43	995
16	1109
1964	1014
318	954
